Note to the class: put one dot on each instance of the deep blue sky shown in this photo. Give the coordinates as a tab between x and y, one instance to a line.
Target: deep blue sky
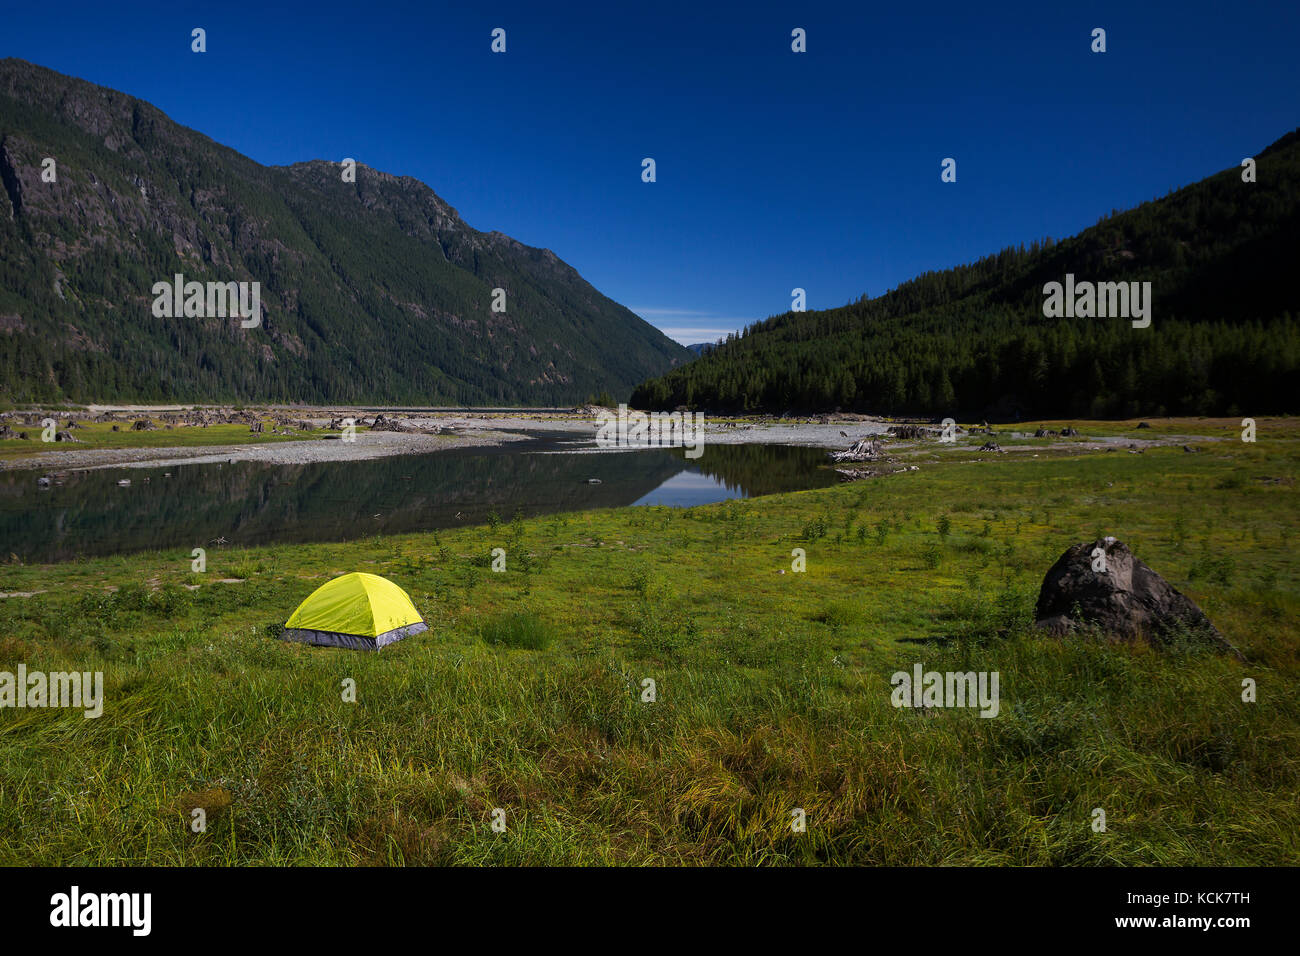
775	169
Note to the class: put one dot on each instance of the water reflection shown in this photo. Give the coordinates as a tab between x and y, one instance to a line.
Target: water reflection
250	503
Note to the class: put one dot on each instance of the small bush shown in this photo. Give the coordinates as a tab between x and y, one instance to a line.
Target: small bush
838	614
932	556
246	567
640	580
982	546
522	630
815	529
1218	569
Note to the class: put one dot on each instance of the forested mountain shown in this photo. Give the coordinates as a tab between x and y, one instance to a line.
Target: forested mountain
373	290
1221	256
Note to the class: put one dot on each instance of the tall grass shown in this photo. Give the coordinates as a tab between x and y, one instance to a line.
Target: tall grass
772	690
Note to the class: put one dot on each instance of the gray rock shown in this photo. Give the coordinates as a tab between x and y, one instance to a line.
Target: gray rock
1127	600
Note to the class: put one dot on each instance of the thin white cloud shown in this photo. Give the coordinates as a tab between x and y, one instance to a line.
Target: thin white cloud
711	326
693	336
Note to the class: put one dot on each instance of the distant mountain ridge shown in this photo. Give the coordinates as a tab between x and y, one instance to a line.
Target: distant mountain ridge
373	291
1220	255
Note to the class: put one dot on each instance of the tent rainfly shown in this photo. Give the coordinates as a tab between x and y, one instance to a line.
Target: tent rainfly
358	610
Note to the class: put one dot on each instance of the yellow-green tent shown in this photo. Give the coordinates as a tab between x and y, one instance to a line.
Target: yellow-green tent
358	610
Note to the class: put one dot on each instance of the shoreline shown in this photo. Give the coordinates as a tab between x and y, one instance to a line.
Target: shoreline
434	431
368	445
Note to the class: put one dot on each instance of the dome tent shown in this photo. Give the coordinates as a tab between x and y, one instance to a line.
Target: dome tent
358	610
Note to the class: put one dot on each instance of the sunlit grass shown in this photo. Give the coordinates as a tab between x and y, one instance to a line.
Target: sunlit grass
772	689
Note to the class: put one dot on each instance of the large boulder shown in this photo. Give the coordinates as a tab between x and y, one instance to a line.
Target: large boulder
1127	600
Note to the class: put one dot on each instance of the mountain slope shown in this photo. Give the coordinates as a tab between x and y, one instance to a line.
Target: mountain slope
371	291
972	341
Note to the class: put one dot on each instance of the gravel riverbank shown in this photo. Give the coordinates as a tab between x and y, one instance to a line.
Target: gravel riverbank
439	430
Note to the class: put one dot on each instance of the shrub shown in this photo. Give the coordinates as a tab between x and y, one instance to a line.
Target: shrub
1218	569
932	556
815	529
639	580
523	629
838	614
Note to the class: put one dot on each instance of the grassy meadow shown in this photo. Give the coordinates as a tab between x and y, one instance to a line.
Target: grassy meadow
772	686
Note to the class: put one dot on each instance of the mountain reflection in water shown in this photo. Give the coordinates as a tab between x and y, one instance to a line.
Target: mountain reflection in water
250	503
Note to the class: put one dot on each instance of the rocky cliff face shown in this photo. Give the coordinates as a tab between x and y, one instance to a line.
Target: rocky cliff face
372	290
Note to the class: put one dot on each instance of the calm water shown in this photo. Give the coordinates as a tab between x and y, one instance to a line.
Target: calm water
249	503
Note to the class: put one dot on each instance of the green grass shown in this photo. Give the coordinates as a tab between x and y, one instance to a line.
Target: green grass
517	630
772	690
